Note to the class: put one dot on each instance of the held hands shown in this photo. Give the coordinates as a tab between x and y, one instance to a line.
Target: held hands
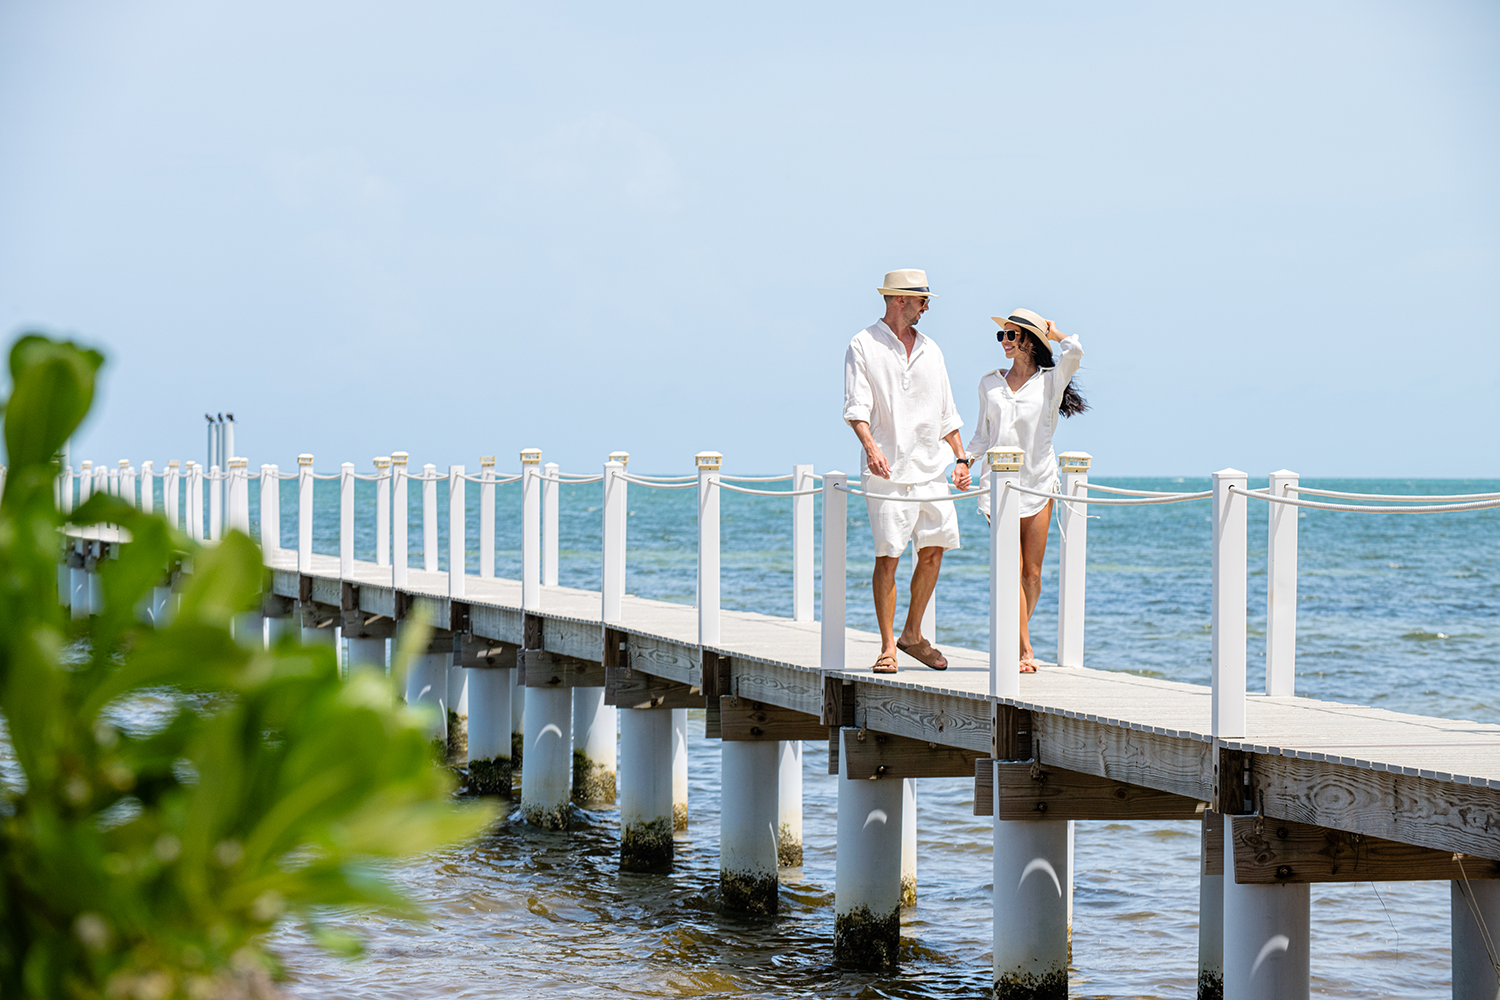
961	476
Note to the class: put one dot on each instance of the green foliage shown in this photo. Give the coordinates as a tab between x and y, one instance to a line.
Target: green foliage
175	793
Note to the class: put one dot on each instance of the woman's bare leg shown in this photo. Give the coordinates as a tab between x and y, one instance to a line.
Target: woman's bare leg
1033	548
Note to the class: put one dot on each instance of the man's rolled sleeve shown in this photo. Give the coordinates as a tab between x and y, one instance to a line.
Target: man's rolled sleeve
951	420
858	400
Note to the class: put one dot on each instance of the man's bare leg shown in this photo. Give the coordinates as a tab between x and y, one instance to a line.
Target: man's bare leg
883	583
1033	548
924	577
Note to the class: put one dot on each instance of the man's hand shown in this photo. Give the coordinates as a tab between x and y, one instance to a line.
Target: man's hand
961	476
876	460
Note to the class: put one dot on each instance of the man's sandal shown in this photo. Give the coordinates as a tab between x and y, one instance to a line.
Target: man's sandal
885	663
925	653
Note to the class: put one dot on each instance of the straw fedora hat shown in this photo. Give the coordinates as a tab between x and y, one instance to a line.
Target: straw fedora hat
1026	320
909	281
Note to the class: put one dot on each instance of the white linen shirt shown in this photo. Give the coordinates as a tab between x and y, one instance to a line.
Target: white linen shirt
907	401
1023	419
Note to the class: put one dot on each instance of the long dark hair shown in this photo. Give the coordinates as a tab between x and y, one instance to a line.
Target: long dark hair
1041	355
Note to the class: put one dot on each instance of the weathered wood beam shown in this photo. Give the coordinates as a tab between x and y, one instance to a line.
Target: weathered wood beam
625	687
1211	850
931	716
1010	732
838	711
359	624
1275	851
714	685
479	653
883	755
1427	812
1152	760
1031	791
743	719
315	615
274	605
541	669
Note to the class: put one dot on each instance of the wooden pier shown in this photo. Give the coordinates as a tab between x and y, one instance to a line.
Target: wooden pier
1288	790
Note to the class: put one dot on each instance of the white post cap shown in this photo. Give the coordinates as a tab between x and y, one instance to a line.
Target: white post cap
1004	459
399	457
86	464
531	456
124	463
710	460
173	464
1285	474
623	457
1229	474
304	460
239	463
486	461
1074	461
382	461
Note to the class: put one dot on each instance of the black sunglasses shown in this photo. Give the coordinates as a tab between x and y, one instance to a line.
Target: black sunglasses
1004	335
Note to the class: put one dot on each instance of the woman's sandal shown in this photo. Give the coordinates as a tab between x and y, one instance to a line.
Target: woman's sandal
885	663
1028	666
925	653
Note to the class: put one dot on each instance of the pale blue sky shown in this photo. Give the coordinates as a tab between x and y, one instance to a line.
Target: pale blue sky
468	228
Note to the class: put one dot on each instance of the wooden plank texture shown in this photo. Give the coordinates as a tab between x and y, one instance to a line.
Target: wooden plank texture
744	719
1029	791
930	716
569	638
500	624
1277	851
546	669
626	687
1151	760
785	687
882	755
662	658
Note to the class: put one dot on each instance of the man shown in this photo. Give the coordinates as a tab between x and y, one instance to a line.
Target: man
898	400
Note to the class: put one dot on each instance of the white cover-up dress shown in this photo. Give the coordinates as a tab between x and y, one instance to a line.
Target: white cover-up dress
1023	419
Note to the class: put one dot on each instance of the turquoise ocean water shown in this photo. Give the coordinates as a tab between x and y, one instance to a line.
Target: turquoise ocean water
1398	611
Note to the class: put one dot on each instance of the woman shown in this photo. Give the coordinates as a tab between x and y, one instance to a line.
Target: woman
1018	407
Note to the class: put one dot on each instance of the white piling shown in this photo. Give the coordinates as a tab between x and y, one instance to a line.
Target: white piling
304	512
1281	589
531	530
99	551
908	842
1005	572
65	506
1228	611
456	532
383	511
170	501
708	546
835	545
748	880
802	544
400	495
1030	906
195	501
1475	928
612	585
427	686
78	580
867	870
1266	928
1211	915
517	720
548	762
457	705
1072	557
550	491
366	653
429	518
487	516
594	740
489	731
161	605
679	769
789	803
645	790
215	503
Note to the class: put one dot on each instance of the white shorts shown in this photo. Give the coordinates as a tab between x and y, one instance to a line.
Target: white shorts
894	522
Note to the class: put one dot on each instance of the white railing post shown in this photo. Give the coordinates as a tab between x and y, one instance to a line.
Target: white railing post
802	545
835	546
457	543
127	483
487	516
708	463
116	477
270	512
531	531
215	503
304	512
195	501
1281	589
383	510
1005	572
612	559
429	518
550	493
400	494
346	521
148	487
85	481
612	586
170	501
1228	620
1072	558
239	494
65	487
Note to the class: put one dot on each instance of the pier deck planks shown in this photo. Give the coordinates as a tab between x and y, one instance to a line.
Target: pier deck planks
1144	730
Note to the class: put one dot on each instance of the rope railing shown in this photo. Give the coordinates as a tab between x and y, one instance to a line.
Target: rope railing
661	479
478	477
658	486
1130	493
571	481
318	475
1367	508
768	493
371	477
755	479
1397	497
1118	502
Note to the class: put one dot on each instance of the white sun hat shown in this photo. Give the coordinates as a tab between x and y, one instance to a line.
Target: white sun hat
909	281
